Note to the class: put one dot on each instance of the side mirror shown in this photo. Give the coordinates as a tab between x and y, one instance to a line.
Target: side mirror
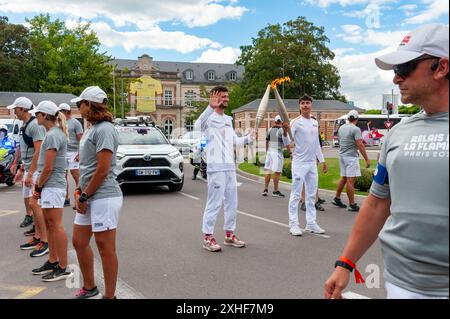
16	129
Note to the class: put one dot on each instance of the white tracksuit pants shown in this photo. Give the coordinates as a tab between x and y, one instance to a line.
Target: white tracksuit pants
303	173
222	191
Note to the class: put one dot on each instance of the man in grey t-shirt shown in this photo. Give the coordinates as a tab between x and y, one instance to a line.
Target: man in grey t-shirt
408	205
75	130
350	140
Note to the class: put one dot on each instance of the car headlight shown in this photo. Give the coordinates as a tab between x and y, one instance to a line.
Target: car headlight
120	156
174	154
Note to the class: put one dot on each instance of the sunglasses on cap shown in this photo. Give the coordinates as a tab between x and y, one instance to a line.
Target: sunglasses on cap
405	69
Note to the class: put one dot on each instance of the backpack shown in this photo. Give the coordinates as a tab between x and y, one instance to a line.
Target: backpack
27	139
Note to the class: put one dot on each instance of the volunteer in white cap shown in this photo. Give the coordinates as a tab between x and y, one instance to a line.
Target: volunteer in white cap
99	198
50	189
350	141
407	209
73	147
276	140
31	137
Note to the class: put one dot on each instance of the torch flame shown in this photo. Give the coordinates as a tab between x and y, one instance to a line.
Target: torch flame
280	81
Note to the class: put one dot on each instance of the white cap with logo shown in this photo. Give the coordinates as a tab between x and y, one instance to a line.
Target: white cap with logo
353	114
22	102
65	107
47	107
278	119
430	39
92	94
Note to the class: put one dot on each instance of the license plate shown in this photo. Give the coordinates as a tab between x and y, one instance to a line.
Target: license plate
148	172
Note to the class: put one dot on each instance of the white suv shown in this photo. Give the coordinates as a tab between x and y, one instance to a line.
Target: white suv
145	156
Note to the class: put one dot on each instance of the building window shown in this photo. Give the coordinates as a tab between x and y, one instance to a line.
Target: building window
190	97
211	76
168	98
189	125
168	128
189	75
233	76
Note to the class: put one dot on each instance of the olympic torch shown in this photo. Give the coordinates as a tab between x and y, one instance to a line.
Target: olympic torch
262	110
282	110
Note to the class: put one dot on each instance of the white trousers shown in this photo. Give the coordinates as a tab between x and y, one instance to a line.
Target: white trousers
395	292
222	191
303	173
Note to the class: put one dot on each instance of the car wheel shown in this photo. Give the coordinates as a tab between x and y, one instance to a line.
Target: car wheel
176	187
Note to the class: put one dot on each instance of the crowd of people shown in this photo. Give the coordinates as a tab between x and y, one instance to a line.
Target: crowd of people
410	220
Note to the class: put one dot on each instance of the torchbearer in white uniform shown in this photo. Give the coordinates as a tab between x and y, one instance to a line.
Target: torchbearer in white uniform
305	131
222	185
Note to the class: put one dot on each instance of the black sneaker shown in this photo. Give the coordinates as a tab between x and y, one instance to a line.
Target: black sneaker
338	202
319	207
303	206
57	274
66	202
30	232
40	250
47	268
278	194
27	221
353	208
322	201
265	193
87	294
32	243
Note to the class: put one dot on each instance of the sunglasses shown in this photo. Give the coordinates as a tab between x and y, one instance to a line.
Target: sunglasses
405	69
79	103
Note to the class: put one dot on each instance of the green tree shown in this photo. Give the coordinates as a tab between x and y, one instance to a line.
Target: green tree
297	49
373	112
66	60
14	57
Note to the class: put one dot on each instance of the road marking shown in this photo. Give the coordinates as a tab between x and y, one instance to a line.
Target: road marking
123	290
189	196
4	213
352	295
278	223
25	292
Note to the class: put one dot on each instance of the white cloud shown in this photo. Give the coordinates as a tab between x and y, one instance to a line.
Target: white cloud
154	38
142	14
434	10
408	7
225	55
356	35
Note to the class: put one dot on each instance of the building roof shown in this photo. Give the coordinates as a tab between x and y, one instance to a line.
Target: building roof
8	98
292	105
200	70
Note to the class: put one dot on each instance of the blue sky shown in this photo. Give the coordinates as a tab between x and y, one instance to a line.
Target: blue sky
213	30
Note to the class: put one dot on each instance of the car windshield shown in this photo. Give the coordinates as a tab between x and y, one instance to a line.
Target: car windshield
10	127
140	136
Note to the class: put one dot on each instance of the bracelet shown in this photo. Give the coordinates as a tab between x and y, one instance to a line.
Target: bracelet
38	189
350	265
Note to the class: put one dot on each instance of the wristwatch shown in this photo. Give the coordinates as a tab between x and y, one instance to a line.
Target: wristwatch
83	197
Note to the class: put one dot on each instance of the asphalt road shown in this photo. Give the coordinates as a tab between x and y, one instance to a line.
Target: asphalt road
161	257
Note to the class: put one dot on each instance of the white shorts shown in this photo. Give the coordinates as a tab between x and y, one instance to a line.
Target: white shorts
102	214
350	166
395	292
52	197
274	162
71	164
28	191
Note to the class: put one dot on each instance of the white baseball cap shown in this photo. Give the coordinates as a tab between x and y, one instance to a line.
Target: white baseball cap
278	119
47	107
92	94
430	39
22	102
353	114
65	107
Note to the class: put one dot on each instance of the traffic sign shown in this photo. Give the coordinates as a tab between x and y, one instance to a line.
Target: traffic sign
388	124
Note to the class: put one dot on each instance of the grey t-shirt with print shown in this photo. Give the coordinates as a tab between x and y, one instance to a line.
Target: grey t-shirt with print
37	133
74	127
348	135
413	172
54	139
101	136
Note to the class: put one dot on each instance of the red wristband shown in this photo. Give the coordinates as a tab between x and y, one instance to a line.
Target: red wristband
358	277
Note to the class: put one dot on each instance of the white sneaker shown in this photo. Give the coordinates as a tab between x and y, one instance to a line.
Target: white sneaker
315	229
296	231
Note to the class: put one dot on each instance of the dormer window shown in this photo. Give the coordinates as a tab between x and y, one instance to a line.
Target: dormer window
211	76
233	76
189	75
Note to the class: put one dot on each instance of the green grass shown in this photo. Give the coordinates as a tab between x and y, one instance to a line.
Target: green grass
327	181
